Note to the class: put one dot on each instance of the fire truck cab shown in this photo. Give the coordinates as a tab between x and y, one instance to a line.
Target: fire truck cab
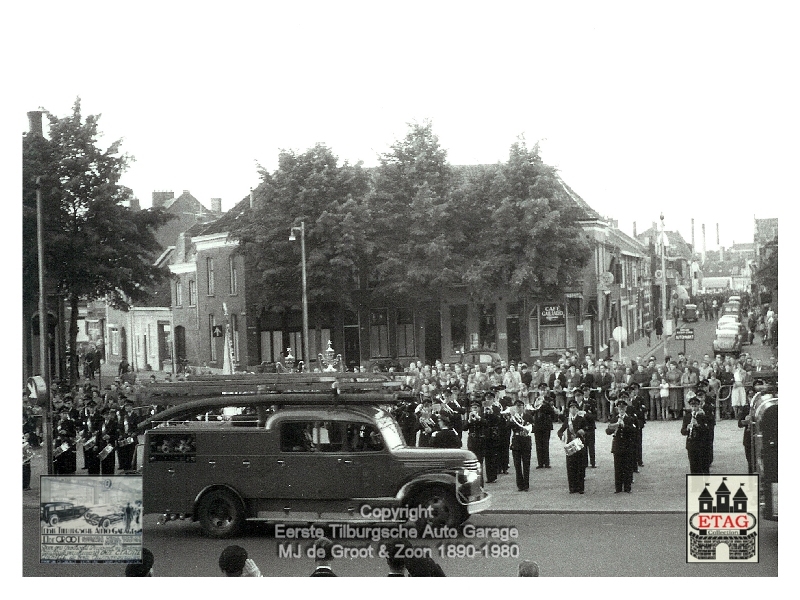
296	449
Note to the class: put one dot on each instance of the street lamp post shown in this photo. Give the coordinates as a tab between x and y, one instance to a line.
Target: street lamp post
302	230
663	288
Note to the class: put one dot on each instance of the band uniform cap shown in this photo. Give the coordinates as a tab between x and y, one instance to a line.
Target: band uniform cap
519	401
694	400
623	395
621	402
232	559
578	391
543	386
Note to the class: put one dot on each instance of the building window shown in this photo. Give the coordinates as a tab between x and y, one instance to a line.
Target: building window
405	332
234	275
533	329
552	318
192	292
212	339
487	328
178	293
235	336
271	346
458	328
378	333
210	273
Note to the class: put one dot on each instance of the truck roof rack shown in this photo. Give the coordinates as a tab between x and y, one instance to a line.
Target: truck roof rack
209	386
311	389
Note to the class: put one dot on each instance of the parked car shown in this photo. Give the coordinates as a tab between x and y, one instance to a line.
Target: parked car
481	357
53	513
690	313
104	515
728	340
733	322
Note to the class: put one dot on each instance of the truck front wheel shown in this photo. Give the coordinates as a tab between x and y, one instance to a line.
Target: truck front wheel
440	508
220	514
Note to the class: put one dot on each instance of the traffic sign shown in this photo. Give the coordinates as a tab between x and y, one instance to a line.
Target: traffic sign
217	331
684	333
607	278
659	274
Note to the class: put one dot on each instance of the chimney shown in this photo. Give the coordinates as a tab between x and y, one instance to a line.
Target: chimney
160	198
704	242
251	197
180	249
634	229
135	204
35	123
216	205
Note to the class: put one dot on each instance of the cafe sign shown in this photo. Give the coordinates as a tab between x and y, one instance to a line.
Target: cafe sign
552	314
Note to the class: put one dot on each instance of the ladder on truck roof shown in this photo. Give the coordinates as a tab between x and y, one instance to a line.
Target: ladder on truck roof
218	391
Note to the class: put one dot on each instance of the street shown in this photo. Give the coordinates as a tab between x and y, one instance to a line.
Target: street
586	545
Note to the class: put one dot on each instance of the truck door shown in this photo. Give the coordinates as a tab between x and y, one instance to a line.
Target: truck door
170	464
314	463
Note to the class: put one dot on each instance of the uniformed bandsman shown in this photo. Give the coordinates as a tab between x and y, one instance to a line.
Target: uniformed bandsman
696	429
587	408
623	446
574	427
638	409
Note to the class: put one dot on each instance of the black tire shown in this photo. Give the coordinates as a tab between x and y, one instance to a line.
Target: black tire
446	511
106	523
220	514
53	520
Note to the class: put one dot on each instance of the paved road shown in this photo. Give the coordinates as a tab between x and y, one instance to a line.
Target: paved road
613	545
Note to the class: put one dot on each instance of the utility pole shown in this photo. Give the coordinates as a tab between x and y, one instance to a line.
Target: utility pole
664	288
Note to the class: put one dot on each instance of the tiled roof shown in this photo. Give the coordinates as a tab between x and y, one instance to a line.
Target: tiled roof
591	214
229	219
677	245
627	243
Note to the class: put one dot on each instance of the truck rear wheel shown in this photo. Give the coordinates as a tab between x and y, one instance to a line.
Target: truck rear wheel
443	510
220	514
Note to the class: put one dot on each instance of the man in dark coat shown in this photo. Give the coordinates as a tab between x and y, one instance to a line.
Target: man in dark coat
574	426
639	407
623	446
603	380
587	408
445	436
747	442
64	444
544	415
107	443
521	422
475	426
127	424
495	425
696	429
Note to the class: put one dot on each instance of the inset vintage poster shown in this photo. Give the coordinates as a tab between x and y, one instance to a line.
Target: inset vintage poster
94	519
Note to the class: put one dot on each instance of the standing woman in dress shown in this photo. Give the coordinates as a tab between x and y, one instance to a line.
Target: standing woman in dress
739	393
575	427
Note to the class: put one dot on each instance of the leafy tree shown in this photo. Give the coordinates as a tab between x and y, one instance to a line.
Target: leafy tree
410	208
310	187
767	274
528	238
96	247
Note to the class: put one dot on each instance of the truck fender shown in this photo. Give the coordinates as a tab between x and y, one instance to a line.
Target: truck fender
210	488
410	488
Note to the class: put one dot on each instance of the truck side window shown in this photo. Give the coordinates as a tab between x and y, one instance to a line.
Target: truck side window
297	437
364	438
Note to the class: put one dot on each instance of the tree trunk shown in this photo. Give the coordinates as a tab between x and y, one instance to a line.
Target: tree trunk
73	337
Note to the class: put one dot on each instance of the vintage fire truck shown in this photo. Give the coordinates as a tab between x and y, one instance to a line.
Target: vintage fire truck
764	432
296	448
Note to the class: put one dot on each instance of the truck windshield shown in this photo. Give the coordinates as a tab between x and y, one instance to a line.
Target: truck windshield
390	431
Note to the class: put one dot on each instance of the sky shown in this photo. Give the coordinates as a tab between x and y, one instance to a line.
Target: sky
683	108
